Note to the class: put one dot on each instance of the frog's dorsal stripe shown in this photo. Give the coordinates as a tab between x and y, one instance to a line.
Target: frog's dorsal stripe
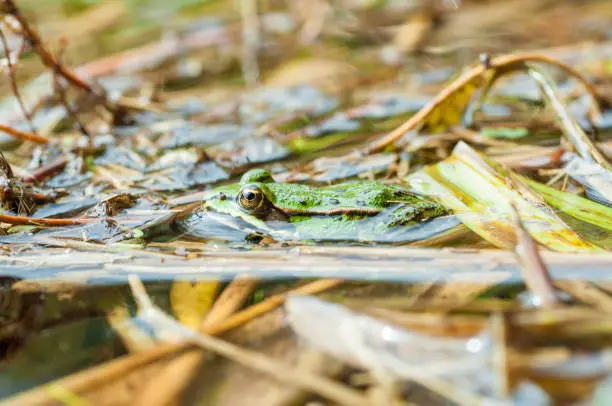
331	212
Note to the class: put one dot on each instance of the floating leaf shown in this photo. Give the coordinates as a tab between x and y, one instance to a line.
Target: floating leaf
481	192
191	301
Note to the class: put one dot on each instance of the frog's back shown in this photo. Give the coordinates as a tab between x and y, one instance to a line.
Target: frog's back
366	197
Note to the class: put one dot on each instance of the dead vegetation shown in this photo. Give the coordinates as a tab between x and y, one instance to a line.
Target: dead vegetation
102	302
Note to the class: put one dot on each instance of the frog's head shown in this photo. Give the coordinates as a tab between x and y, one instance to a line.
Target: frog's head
241	209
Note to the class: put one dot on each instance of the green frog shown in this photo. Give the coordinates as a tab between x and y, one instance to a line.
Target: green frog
360	211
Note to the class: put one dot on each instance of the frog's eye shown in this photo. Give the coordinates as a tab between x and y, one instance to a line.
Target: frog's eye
251	198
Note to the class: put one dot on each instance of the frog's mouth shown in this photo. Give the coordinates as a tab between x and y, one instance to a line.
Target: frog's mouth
208	224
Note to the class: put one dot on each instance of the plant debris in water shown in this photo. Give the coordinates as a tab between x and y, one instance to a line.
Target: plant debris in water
348	203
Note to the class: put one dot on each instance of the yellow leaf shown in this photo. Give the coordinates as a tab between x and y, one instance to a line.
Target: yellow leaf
450	111
190	301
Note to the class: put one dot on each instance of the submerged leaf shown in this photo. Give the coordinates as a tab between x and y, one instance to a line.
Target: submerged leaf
481	192
366	342
191	301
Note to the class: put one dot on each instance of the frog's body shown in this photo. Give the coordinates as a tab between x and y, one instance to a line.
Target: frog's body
356	211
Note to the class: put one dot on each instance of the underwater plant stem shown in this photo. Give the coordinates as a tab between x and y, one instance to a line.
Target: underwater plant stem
301	378
179	372
536	275
98	376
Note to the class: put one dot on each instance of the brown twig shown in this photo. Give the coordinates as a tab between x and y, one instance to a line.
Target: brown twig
150	55
61	91
506	62
337	392
48	59
37	221
589	293
13	80
43	198
229	301
22	135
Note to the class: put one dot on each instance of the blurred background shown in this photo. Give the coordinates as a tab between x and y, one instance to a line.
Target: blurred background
366	32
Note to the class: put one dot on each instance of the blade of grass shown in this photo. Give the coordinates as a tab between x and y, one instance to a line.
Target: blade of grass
575	206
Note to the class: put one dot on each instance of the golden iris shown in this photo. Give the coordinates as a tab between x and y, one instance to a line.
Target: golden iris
251	198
